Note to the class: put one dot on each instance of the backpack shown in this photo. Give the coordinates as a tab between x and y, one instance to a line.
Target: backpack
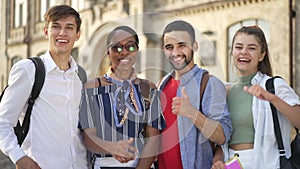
21	131
293	161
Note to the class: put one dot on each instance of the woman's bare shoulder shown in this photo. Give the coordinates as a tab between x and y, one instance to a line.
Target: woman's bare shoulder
97	82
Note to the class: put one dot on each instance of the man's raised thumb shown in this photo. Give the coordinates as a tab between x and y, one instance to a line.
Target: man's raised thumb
183	92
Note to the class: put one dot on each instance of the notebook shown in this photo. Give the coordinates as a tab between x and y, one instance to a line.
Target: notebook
233	163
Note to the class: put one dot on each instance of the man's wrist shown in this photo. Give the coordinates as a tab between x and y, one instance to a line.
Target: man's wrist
16	154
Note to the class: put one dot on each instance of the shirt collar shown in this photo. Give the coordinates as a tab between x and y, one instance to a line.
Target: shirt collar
50	64
189	75
257	78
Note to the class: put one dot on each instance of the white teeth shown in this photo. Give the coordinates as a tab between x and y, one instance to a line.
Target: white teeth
62	40
244	60
124	60
177	59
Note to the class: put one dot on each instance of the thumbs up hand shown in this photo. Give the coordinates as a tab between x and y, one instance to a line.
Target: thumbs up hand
182	105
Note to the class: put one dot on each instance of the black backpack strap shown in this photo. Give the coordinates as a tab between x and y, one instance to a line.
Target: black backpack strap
83	78
22	130
271	89
39	77
3	93
82	74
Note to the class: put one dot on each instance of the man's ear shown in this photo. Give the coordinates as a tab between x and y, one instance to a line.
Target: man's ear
77	35
46	32
195	46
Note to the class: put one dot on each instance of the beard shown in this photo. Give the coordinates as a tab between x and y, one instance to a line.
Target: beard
187	61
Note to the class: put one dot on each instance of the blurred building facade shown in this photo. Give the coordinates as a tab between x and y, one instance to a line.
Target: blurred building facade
215	21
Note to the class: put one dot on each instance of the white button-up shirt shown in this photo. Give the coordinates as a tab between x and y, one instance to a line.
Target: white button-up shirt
53	140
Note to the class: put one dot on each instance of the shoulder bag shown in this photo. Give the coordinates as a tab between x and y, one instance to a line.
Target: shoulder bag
294	161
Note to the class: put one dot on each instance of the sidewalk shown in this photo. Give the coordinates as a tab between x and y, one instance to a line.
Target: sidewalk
5	162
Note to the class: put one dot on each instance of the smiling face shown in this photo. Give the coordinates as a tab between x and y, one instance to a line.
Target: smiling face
62	35
122	51
178	49
246	53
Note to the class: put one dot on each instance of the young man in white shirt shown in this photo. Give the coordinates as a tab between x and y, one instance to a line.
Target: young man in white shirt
53	140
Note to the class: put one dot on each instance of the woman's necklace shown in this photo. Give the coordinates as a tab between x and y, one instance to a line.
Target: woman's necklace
124	93
133	100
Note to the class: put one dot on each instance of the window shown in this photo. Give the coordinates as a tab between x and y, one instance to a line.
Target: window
264	25
77	4
45	5
208	52
20	13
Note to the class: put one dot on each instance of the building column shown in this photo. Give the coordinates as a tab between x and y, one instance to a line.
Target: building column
297	47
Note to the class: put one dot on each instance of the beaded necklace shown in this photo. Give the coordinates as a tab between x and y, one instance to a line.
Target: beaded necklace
125	98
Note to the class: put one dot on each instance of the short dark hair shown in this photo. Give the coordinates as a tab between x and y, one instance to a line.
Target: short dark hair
179	25
124	28
264	66
62	11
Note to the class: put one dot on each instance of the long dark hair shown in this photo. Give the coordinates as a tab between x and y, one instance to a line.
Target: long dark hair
264	66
